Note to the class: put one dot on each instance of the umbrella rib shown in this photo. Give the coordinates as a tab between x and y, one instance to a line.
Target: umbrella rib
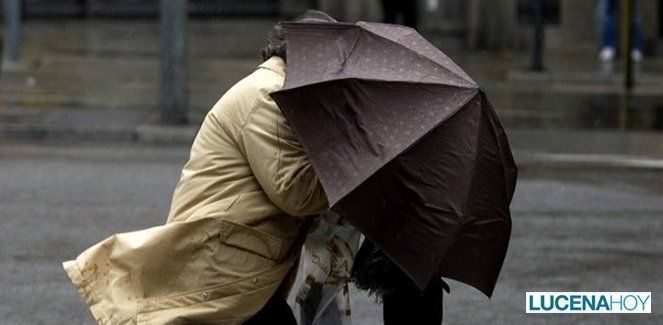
497	127
319	82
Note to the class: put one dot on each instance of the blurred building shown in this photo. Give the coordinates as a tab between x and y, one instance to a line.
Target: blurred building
470	24
493	24
127	8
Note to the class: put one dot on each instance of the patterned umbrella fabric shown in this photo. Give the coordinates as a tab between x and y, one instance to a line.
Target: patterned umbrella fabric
406	146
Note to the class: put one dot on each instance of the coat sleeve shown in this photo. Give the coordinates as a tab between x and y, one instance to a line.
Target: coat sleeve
279	163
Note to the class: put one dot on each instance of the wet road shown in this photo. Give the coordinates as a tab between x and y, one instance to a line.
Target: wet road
574	230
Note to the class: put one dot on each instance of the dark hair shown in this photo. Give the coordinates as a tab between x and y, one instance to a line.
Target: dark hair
275	42
276	45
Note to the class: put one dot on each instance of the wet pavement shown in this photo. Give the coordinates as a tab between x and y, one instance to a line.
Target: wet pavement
573	230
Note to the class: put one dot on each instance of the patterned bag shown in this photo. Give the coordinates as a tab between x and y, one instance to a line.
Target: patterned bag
324	297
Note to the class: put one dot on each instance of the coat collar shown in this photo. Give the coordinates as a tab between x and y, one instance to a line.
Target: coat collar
275	64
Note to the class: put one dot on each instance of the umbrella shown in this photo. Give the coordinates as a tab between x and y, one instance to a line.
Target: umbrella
406	146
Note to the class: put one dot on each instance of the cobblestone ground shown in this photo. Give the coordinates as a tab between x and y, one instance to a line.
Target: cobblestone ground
574	230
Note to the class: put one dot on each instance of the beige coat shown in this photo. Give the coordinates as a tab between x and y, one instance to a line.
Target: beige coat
235	214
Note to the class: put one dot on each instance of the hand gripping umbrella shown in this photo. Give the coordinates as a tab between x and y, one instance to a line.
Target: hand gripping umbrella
406	146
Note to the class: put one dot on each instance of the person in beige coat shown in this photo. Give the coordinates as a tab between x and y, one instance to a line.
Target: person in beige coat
235	227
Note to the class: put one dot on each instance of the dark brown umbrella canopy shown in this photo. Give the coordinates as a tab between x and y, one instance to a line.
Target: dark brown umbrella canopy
406	146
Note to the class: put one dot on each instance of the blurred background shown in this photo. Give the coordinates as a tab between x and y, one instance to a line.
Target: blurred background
100	100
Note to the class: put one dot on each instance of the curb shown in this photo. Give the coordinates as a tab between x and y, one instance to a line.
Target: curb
184	135
165	134
144	133
569	160
580	77
42	132
614	143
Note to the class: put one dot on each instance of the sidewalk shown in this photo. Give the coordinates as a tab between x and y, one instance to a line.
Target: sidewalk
99	80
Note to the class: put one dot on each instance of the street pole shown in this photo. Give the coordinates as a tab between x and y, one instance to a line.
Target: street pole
627	43
537	53
2	54
627	7
174	87
13	23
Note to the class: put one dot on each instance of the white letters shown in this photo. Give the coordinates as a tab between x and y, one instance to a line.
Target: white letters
587	302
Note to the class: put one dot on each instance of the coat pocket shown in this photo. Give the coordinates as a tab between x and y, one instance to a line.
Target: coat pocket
251	240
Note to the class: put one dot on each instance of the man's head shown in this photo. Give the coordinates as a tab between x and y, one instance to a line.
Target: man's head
276	45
